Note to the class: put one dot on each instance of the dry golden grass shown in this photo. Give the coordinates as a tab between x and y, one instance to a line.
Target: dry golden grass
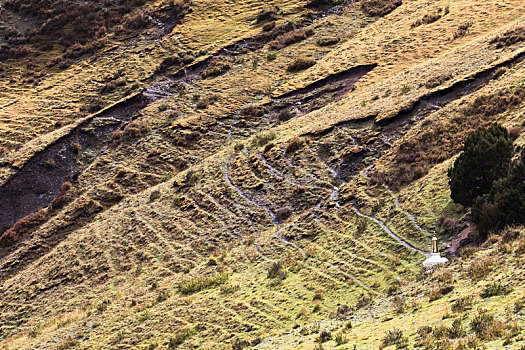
157	210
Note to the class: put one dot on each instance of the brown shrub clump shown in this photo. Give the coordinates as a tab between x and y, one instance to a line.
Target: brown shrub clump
268	26
205	101
515	132
496	103
283	213
509	38
216	68
254	111
291	37
135	130
431	17
267	15
479	268
294	145
300	64
380	7
22	227
486	326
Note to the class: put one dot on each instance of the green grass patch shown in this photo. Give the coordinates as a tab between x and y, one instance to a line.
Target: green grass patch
198	284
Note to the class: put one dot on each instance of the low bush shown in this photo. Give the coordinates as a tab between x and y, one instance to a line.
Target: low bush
277	271
437	80
268	26
462	304
300	64
462	30
134	21
485	325
515	132
379	7
494	289
135	130
283	213
215	69
431	17
271	56
479	268
50	163
324	336
239	146
295	144
291	37
510	37
207	100
437	292
267	15
394	337
262	139
22	227
254	111
327	41
112	85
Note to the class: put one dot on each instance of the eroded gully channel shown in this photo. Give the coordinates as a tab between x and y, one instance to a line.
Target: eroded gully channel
40	180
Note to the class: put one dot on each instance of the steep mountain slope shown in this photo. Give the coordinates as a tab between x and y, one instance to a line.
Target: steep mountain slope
251	174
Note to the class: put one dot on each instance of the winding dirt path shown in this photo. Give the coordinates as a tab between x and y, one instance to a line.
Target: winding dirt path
281	227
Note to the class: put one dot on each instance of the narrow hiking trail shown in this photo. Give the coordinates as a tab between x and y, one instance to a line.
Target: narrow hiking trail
281	227
390	233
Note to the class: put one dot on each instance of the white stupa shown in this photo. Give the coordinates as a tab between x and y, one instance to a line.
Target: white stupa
435	258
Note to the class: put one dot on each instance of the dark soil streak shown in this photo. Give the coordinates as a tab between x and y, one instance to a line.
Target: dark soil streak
440	98
350	76
427	103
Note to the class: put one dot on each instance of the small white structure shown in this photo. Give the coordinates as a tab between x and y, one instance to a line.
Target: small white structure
435	258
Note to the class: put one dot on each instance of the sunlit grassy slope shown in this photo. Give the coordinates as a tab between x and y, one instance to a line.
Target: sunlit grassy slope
219	227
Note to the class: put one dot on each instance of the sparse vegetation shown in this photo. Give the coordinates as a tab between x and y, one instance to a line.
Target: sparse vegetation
201	283
431	17
253	173
395	337
180	337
